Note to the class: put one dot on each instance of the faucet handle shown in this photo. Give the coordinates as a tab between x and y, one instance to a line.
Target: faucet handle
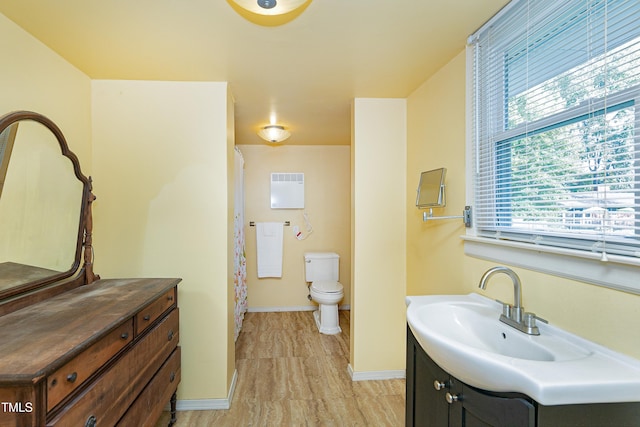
530	319
506	308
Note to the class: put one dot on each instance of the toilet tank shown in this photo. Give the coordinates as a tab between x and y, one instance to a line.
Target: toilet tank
321	266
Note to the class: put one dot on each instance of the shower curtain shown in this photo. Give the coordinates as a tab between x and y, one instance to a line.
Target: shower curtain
239	258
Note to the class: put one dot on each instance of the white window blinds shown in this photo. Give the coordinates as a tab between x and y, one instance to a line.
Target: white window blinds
556	125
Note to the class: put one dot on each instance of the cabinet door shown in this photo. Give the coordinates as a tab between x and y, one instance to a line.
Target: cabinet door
473	408
426	406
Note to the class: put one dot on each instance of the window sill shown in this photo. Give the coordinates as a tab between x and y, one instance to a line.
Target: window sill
620	273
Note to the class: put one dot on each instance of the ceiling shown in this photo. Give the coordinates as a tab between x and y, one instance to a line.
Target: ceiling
305	71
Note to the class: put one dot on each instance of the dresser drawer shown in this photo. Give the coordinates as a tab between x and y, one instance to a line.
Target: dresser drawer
155	395
108	397
75	372
149	314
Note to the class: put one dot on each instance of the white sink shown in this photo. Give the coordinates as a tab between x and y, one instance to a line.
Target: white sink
464	336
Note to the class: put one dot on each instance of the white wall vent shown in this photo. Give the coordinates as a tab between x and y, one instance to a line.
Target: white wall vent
287	190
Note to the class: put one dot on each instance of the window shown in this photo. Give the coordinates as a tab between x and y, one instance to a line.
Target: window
556	127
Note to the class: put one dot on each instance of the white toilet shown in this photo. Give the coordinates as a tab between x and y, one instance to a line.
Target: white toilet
322	271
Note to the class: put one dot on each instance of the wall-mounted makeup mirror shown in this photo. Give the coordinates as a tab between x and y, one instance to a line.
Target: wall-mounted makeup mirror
431	189
431	194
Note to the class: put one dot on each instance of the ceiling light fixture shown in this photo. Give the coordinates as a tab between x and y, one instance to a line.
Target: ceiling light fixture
270	7
274	133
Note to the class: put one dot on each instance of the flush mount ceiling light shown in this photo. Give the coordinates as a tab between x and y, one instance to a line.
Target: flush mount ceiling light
270	7
274	133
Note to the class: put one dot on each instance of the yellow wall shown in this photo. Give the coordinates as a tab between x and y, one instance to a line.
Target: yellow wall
378	235
162	163
436	263
33	77
327	203
162	179
436	138
230	348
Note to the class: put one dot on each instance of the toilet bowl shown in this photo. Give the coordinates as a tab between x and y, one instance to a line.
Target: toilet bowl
321	275
327	293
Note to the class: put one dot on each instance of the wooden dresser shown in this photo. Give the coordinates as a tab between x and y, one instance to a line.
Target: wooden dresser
99	355
74	350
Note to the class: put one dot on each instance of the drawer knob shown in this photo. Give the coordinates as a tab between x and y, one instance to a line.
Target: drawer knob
91	421
170	297
451	398
439	385
172	377
170	335
147	317
72	377
124	335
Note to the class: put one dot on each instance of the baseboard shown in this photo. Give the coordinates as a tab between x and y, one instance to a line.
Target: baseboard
209	404
279	309
294	308
376	375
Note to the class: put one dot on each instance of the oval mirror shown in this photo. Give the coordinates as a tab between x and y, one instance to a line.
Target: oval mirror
43	198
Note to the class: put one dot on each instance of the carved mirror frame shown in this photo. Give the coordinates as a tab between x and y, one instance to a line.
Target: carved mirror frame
43	288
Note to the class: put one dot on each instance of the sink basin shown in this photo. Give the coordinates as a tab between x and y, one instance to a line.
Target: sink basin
464	336
476	325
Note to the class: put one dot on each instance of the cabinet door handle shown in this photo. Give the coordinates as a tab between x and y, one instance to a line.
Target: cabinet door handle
72	377
451	398
439	385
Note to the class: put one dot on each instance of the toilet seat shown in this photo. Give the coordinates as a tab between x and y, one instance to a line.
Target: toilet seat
327	286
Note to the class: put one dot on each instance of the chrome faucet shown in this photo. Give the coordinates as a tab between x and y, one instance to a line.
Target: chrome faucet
513	315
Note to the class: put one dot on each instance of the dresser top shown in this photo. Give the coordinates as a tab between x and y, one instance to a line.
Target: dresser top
38	339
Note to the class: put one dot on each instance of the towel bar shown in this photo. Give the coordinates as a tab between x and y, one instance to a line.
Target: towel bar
252	223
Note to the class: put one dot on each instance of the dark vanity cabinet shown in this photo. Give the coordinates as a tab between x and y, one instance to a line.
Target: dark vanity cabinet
473	407
425	405
434	399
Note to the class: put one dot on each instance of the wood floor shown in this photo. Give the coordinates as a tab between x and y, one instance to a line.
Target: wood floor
291	375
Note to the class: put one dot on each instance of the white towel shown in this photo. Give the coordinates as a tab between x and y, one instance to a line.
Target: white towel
269	248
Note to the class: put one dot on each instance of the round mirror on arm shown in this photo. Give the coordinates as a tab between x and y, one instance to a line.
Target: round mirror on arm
44	206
